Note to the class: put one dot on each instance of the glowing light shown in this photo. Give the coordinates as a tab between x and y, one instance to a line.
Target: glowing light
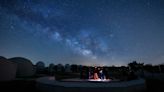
99	80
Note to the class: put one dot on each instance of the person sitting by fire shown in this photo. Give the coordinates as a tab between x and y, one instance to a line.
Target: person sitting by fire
95	76
90	74
101	73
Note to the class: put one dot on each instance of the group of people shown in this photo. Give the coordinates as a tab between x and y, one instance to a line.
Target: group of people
97	73
94	73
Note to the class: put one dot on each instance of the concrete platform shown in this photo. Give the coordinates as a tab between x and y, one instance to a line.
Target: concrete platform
49	84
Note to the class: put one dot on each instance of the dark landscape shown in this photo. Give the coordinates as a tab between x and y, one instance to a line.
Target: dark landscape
81	46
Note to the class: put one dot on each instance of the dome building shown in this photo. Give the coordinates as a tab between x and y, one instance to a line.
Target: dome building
25	67
40	67
51	69
67	68
60	68
7	69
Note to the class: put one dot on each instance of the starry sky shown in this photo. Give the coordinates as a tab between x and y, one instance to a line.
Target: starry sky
88	32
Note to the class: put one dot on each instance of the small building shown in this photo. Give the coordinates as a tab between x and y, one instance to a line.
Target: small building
67	68
60	68
25	67
40	67
51	69
7	70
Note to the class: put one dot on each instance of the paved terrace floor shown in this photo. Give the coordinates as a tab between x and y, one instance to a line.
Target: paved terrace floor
87	86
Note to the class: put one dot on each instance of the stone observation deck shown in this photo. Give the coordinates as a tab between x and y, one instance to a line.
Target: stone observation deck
49	84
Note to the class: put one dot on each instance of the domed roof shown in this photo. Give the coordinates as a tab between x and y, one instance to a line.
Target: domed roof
2	58
24	66
51	65
7	69
20	60
40	67
40	64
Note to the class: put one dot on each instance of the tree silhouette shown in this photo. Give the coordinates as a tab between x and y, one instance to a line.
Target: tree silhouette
134	66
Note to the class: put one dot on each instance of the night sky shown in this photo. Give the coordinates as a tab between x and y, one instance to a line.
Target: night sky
89	32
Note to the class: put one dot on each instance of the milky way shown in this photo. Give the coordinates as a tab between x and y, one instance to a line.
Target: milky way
112	32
